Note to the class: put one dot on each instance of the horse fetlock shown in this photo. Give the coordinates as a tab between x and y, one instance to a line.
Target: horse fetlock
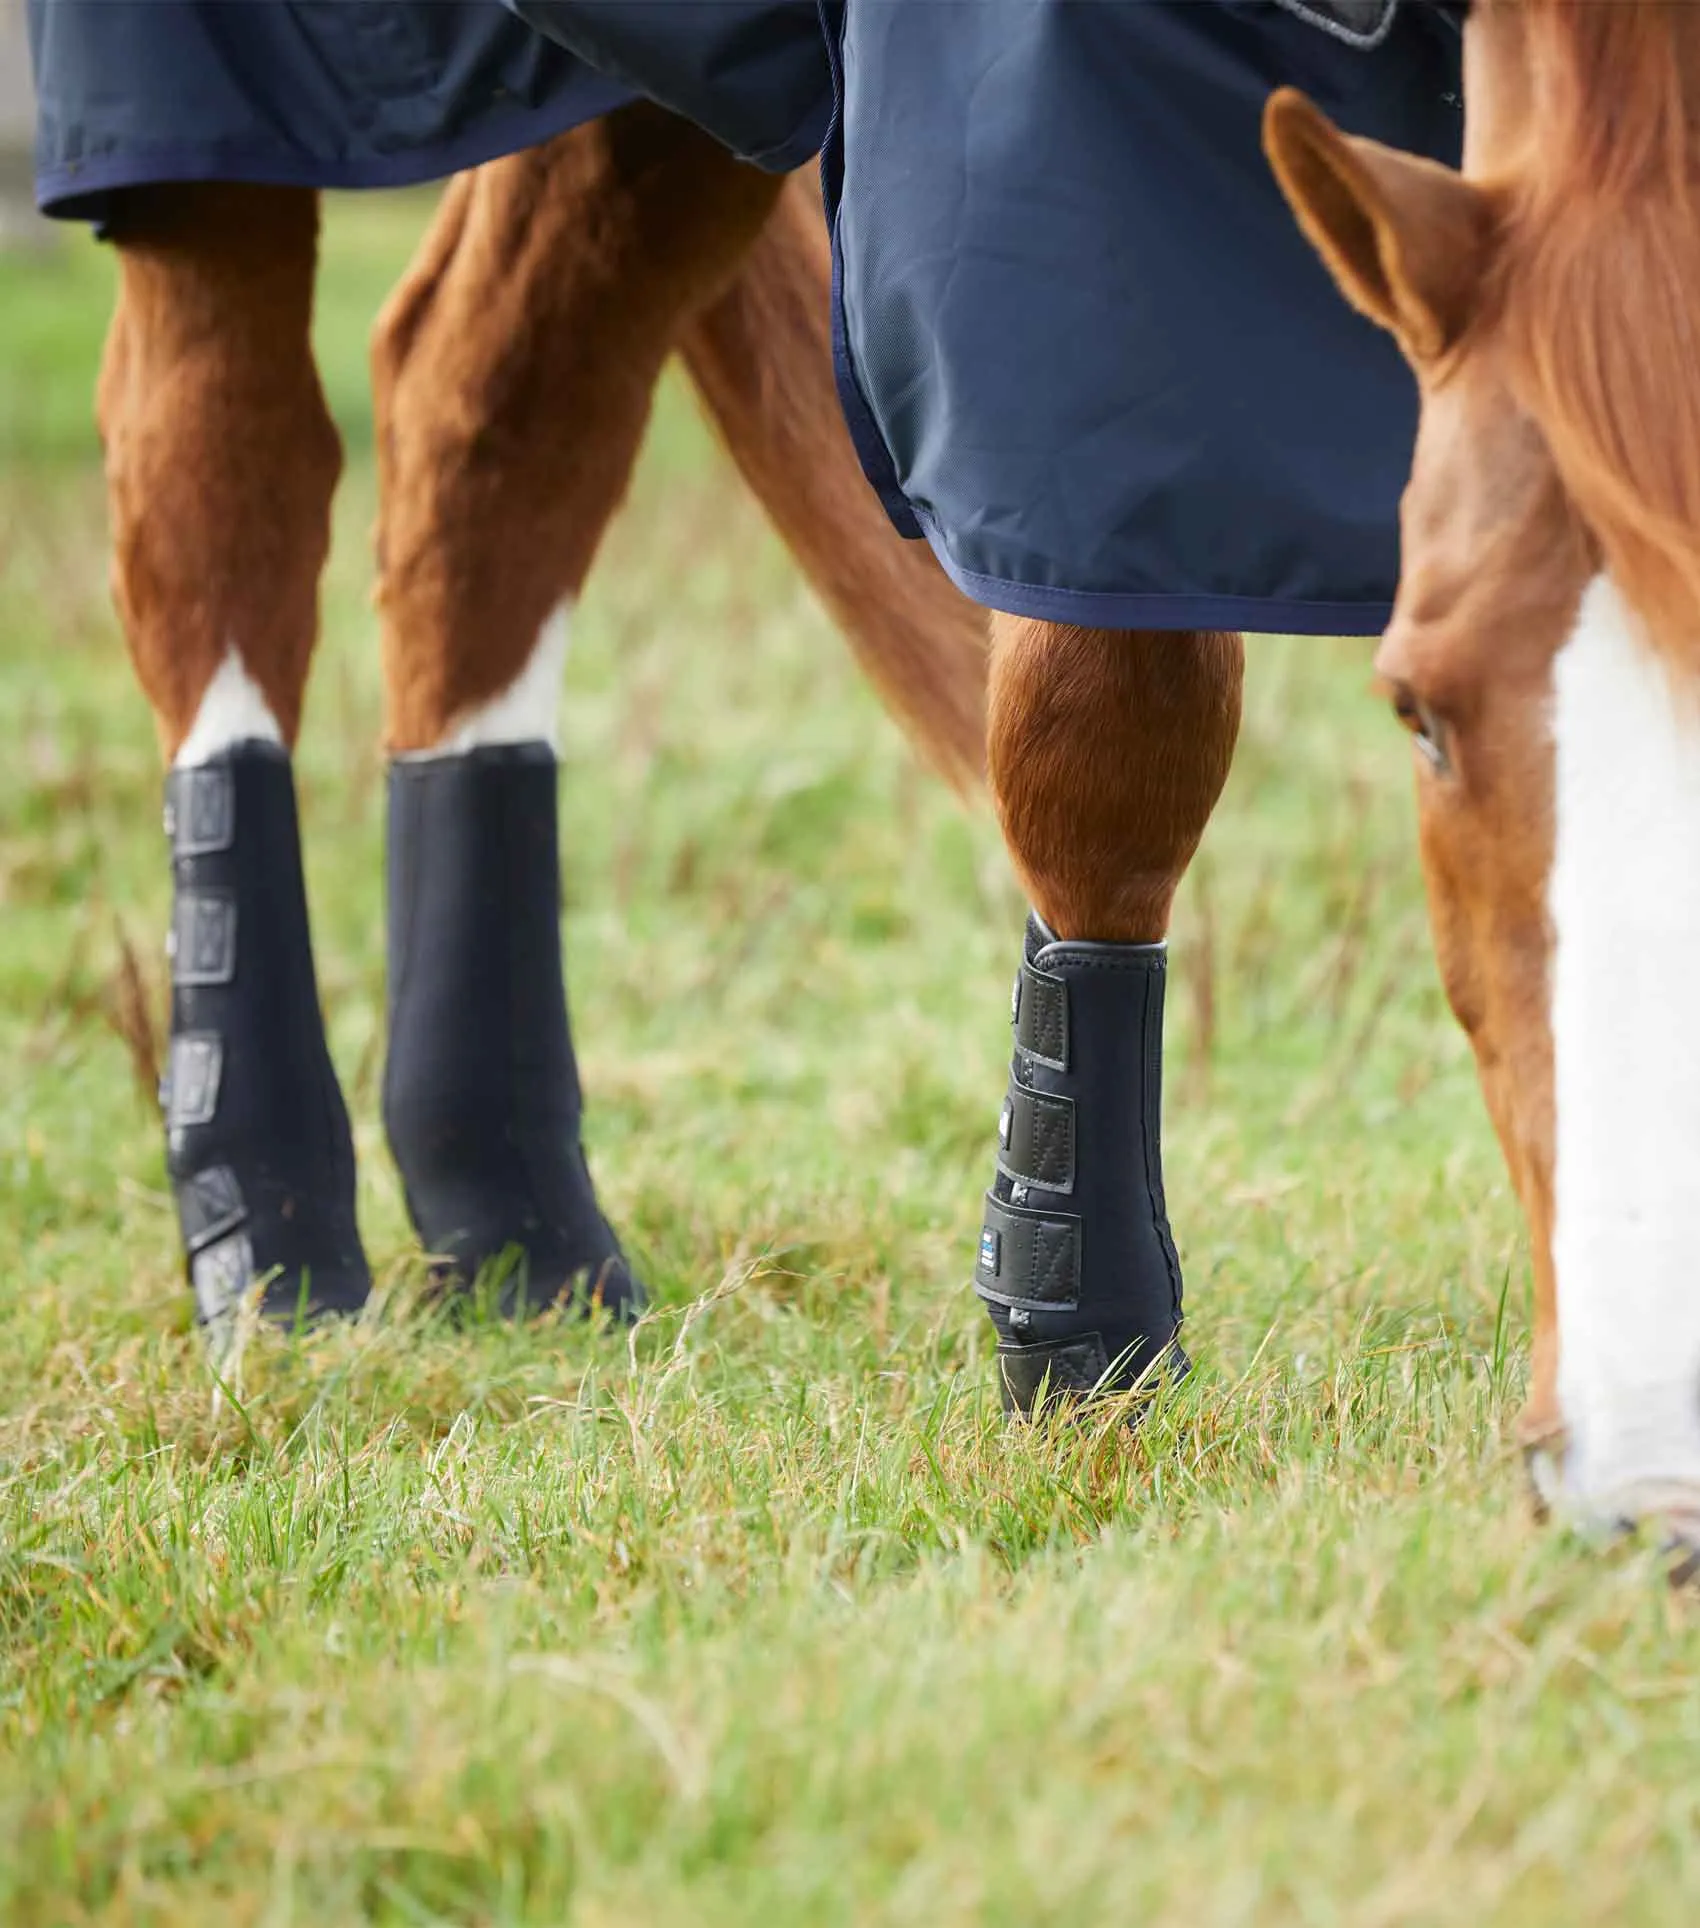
259	1148
1076	1263
482	1102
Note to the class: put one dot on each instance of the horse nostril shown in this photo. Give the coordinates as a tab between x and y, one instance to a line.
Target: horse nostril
1677	1541
1664	1514
1678	1529
1668	1520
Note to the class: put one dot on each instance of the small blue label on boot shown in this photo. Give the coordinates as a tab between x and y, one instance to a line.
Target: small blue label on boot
989	1254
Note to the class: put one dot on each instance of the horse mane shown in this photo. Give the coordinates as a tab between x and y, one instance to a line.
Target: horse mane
1600	289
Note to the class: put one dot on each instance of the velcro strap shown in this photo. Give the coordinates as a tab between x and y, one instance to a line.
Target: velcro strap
1028	1260
203	937
200	809
1041	1017
209	1205
220	1274
192	1079
1036	1138
1037	1378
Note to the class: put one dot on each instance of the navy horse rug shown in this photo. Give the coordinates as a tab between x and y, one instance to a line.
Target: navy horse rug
1082	348
304	93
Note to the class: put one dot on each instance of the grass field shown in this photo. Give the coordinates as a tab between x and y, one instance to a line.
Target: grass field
767	1618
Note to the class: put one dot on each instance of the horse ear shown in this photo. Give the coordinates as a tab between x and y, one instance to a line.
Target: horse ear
1406	239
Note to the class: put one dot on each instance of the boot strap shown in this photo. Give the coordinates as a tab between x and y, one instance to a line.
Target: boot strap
193	1074
1039	1014
1037	1377
200	810
202	941
1036	1138
1029	1261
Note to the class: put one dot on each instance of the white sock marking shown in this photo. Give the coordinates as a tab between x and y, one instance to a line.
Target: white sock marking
232	711
1625	904
527	711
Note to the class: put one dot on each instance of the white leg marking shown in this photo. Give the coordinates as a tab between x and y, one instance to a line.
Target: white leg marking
232	711
1625	905
527	711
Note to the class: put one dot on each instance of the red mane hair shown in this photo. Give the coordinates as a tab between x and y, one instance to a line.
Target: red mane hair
1600	287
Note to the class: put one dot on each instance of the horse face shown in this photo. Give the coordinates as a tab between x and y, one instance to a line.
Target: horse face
1559	784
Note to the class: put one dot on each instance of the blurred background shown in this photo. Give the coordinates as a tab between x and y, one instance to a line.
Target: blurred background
18	222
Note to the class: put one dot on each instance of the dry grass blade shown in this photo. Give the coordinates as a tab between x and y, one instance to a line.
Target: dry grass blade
135	1008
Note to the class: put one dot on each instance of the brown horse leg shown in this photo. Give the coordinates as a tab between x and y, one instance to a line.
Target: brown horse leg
220	456
760	355
221	462
1107	752
513	371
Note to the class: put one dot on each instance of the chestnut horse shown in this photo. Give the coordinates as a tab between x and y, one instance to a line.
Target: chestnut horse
1545	652
1549	568
513	370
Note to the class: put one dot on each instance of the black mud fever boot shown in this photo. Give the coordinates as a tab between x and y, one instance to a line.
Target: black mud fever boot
1076	1262
257	1138
481	1089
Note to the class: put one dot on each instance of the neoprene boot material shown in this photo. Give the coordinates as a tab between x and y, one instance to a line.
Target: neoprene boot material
481	1089
1076	1262
257	1137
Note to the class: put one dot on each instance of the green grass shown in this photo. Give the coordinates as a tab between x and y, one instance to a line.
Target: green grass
766	1618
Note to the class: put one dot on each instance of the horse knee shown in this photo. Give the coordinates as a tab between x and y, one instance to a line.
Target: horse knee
1107	751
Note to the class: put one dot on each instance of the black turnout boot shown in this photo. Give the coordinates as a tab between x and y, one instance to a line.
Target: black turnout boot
258	1144
481	1090
1076	1262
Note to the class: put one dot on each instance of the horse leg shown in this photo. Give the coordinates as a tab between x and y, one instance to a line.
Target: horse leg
1107	751
221	461
513	371
760	358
